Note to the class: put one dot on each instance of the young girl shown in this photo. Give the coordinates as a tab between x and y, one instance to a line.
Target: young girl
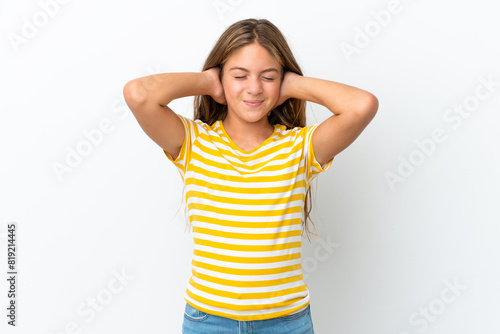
247	161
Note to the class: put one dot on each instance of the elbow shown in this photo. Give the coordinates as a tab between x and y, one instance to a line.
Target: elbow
134	92
368	106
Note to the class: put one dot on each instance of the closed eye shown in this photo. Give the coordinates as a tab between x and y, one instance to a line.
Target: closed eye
265	78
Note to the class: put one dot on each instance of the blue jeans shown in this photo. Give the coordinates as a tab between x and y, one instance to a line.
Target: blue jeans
199	322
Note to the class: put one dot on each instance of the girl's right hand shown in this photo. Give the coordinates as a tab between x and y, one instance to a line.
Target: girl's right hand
215	86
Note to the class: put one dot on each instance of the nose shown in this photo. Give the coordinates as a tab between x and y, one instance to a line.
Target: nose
254	86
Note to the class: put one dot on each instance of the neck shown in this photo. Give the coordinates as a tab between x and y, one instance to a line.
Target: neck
246	131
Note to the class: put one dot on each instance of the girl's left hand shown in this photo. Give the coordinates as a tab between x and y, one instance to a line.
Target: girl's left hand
286	89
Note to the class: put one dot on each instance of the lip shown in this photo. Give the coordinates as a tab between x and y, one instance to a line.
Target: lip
253	103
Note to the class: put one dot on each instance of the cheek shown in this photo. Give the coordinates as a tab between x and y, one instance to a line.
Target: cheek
275	90
232	89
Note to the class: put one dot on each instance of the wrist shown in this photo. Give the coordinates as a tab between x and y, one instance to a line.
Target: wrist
291	85
213	85
207	83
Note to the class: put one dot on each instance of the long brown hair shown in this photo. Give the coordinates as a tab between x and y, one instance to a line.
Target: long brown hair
292	113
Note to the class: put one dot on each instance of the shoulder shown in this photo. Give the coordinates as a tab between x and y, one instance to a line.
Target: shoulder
194	126
296	132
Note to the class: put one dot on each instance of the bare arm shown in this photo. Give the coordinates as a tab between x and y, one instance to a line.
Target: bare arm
353	110
148	97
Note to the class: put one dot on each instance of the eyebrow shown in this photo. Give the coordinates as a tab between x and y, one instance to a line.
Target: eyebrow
272	69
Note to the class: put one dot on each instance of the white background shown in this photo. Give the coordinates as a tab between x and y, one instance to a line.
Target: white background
116	211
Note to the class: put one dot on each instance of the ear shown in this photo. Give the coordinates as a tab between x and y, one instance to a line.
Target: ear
221	70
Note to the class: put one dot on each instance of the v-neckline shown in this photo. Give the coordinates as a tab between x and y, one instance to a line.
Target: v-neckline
233	144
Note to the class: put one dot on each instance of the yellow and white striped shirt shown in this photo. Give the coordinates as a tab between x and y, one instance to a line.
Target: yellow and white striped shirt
246	210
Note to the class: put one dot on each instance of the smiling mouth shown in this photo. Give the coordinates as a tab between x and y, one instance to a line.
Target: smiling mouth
253	103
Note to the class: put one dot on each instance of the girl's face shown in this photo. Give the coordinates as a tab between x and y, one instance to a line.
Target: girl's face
251	80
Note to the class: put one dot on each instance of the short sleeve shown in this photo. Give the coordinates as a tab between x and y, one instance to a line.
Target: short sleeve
190	133
313	168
